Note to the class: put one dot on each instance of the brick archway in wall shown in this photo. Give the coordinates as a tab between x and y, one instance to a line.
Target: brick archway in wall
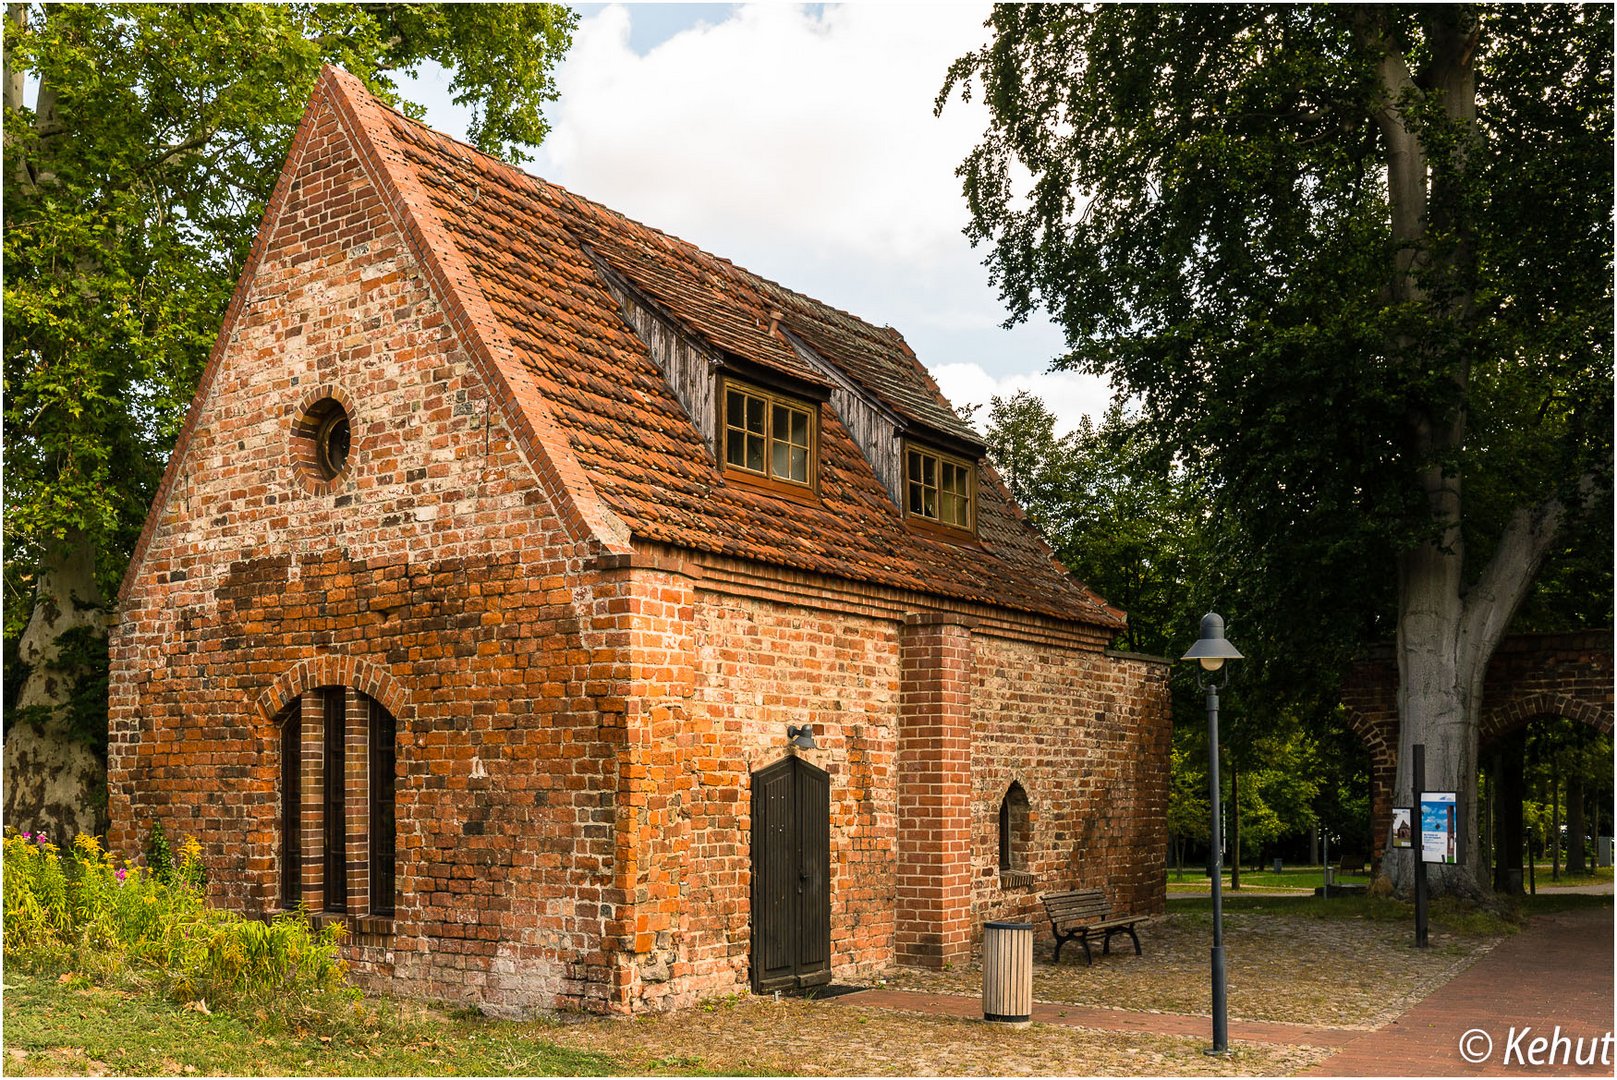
1530	675
331	669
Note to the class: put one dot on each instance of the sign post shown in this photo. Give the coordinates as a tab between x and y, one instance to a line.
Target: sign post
1437	821
1417	766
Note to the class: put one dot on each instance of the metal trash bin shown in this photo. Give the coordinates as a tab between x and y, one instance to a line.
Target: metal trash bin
1280	867
1008	973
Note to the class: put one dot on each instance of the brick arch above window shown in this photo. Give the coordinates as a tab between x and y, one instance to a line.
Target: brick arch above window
331	669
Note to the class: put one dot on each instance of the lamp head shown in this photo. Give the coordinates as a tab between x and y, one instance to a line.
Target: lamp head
801	737
1212	649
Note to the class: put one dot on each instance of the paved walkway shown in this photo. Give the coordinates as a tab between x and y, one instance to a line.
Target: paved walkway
1603	888
1557	972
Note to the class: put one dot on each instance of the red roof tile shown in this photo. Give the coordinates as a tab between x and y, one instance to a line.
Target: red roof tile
527	246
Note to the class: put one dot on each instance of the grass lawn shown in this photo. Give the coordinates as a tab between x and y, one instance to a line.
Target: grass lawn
55	1028
1292	877
1308	878
1445	916
1597	876
1344	962
61	1026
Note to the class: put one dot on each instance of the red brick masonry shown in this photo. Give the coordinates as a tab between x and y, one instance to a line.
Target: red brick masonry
588	639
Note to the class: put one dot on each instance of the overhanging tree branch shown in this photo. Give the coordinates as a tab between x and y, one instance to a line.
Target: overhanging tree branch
1492	602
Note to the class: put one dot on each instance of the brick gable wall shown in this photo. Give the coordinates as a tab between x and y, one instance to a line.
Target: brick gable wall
436	564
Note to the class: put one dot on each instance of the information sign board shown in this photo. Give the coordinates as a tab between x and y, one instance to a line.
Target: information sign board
1439	827
1403	830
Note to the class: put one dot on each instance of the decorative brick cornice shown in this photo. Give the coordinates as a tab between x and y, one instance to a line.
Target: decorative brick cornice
939	618
614	562
762	581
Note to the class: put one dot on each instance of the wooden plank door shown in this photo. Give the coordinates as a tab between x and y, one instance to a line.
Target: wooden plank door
791	876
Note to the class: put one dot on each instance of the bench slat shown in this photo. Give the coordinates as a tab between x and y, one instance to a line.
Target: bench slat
1075	905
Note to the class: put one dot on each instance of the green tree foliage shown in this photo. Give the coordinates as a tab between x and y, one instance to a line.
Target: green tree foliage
1128	523
141	145
1120	516
1355	263
133	187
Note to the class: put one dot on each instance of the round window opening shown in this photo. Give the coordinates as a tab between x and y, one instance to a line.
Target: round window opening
323	436
331	443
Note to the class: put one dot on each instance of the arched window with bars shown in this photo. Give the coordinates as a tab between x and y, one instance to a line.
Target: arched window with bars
338	754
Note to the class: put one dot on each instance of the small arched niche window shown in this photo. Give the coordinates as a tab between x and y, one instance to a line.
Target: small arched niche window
1013	837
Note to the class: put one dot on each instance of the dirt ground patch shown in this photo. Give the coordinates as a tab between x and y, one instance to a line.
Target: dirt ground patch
1337	972
1352	973
747	1035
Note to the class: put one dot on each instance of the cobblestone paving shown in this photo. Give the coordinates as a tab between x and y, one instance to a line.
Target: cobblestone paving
1349	973
1353	974
753	1036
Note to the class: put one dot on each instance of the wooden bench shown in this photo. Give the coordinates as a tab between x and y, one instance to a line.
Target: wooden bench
1082	914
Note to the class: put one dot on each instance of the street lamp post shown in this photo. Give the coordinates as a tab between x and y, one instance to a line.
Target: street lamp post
1210	651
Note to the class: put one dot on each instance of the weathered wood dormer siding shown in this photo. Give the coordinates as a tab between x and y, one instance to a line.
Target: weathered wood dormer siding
876	429
689	368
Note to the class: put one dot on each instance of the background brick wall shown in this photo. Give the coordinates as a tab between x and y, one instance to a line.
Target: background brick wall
1529	676
1087	736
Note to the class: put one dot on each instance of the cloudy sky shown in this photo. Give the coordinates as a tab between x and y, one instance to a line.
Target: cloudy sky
799	142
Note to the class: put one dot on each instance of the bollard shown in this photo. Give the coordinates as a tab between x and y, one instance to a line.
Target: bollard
1008	973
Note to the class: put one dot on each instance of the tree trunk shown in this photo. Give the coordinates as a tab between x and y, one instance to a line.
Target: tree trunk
17	15
1555	821
54	780
1485	786
1235	826
1575	822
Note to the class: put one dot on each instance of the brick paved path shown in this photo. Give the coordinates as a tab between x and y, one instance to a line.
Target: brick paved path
1559	971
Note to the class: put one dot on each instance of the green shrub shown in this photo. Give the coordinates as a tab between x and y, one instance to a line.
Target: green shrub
77	909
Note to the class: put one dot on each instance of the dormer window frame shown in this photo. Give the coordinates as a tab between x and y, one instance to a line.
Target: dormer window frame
775	405
917	484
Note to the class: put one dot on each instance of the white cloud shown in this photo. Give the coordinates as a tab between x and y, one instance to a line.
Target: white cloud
776	126
1069	394
799	142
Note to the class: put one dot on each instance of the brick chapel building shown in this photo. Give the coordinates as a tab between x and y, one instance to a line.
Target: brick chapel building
508	548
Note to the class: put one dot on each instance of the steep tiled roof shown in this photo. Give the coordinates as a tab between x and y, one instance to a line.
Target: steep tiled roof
533	249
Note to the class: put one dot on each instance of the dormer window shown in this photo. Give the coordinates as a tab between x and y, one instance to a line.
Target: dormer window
939	488
768	435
